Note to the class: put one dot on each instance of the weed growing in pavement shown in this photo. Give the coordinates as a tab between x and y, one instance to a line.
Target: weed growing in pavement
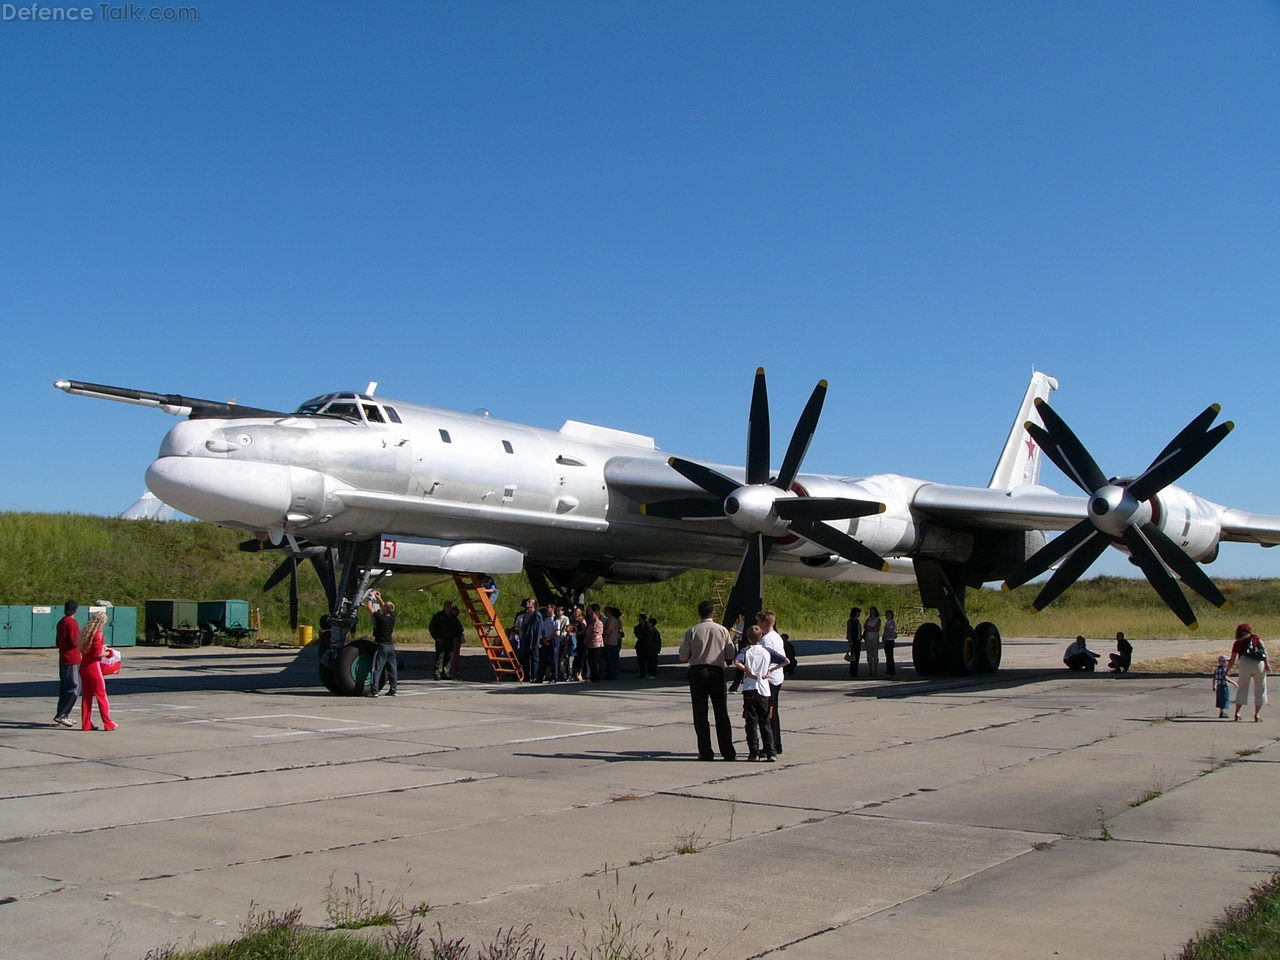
690	841
1104	832
624	929
1246	752
360	905
1160	780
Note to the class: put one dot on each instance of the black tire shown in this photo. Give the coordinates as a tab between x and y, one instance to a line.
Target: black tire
155	634
986	640
961	654
926	648
351	672
328	668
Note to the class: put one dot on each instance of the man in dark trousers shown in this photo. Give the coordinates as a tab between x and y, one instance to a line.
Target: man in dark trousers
446	630
68	639
384	621
707	647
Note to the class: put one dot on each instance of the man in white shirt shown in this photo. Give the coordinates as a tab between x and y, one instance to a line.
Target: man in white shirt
771	640
756	664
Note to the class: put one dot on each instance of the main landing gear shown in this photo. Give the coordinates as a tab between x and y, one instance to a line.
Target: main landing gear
347	572
953	646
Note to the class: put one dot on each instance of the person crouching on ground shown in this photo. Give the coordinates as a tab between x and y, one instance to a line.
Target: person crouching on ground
92	686
1250	656
755	664
1222	687
1123	656
1080	657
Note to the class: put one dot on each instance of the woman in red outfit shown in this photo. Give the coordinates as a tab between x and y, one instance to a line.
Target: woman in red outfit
91	684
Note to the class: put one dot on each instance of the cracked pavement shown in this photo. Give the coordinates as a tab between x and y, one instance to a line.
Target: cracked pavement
953	818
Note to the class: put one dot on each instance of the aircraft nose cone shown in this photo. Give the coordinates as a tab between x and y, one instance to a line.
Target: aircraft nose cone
245	494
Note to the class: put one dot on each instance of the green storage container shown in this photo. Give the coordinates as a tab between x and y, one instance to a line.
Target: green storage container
227	614
122	626
44	624
164	618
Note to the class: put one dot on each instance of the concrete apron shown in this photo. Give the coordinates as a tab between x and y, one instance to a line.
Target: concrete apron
941	818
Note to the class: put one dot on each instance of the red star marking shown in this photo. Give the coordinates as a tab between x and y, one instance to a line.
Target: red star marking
1031	448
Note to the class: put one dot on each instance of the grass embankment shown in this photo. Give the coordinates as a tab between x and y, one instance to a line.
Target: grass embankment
49	558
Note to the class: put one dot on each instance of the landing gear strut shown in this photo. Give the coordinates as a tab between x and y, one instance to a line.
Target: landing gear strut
952	646
347	572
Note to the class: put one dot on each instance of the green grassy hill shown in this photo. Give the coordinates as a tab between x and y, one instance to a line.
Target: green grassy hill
49	558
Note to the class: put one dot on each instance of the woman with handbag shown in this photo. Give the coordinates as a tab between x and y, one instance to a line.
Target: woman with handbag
92	686
1250	656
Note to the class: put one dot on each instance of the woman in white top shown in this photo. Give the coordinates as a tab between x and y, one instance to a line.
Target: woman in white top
871	640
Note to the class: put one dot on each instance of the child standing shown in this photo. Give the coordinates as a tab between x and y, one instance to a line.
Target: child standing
755	663
1222	687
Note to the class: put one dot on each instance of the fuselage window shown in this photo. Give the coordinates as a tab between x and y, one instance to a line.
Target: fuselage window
444	436
506	445
372	413
392	415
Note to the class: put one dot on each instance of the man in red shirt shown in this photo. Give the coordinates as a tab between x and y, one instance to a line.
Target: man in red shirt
68	664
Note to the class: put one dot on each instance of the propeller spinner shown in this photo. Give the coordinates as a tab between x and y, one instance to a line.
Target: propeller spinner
766	508
1122	511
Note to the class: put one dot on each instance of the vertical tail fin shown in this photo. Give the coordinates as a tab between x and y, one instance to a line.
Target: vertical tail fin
1019	462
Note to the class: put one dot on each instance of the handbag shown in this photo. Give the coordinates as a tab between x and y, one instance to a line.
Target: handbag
110	662
1254	651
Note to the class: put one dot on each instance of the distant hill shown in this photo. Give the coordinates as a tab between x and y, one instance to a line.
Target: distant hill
49	558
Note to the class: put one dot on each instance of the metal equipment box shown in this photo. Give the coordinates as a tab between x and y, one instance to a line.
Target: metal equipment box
173	622
226	617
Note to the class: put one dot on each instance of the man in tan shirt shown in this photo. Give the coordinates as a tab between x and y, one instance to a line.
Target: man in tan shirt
707	647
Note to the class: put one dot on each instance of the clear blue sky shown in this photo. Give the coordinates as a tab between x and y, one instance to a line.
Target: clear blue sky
614	211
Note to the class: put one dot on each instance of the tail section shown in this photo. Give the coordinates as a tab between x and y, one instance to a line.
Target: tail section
1019	463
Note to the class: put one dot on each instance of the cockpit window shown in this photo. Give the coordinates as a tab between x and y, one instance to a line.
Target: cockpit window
343	409
372	413
392	415
350	406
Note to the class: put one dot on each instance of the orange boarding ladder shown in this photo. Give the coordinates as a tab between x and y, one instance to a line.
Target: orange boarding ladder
720	589
502	656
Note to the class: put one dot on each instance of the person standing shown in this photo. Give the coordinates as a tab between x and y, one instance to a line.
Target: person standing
706	648
889	640
641	632
654	649
755	664
1222	687
528	627
871	640
68	640
613	631
1250	656
595	644
853	635
771	640
92	686
550	644
446	630
383	613
579	627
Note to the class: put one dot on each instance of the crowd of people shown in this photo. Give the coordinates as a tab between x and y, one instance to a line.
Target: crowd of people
557	644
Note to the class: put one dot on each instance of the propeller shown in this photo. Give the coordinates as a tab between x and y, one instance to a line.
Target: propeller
766	508
1120	511
288	567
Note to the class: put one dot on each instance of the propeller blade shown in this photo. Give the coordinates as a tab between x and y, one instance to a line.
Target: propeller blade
1168	469
758	432
802	436
839	543
1071	569
685	508
1158	576
747	596
709	480
280	572
1049	554
325	570
293	595
1187	569
1065	449
1193	429
826	508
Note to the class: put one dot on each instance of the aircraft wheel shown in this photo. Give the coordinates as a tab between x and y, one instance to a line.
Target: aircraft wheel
329	675
351	673
961	654
986	638
926	649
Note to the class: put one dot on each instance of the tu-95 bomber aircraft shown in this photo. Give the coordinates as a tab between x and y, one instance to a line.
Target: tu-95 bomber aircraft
363	486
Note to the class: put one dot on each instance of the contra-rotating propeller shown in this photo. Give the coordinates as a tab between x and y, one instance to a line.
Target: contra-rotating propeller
1121	510
766	508
288	567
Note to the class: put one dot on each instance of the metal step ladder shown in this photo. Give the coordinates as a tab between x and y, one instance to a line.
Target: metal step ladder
721	587
497	647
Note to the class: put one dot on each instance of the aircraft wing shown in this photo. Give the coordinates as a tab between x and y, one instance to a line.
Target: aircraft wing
1029	508
1263	528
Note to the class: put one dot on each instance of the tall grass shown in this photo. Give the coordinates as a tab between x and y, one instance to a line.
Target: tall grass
50	558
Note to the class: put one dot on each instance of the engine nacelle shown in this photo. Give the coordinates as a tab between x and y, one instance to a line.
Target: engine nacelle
1189	521
891	533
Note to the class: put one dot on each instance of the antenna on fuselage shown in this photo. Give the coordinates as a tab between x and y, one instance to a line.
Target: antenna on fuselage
373	385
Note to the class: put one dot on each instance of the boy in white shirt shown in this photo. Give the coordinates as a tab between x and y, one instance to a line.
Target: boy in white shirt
756	664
